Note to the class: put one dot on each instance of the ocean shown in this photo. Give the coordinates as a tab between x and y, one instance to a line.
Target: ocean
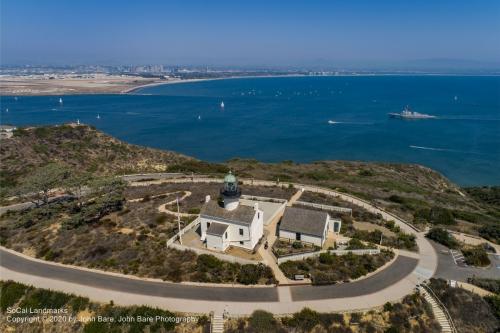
299	118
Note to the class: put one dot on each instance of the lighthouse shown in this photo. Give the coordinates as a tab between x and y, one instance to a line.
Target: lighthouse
230	192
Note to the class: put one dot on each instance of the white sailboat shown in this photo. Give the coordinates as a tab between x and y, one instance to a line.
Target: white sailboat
456	98
98	116
60	100
78	121
222	105
199	117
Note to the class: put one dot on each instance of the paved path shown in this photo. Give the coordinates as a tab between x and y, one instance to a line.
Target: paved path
391	284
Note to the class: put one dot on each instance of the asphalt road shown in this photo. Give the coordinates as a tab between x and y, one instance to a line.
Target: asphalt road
447	269
401	267
130	285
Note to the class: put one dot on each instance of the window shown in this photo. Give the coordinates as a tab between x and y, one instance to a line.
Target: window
208	225
297	236
241	232
258	215
225	235
242	242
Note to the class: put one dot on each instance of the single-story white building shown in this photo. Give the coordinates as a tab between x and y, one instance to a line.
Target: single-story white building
307	225
229	223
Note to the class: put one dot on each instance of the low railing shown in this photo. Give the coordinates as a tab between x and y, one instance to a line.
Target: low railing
325	207
442	306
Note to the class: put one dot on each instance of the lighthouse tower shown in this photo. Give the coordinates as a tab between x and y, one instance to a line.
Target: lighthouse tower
230	192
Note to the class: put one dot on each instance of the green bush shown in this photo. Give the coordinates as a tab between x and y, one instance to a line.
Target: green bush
43	298
443	237
304	320
297	245
476	256
440	215
161	218
263	321
11	293
492	285
491	232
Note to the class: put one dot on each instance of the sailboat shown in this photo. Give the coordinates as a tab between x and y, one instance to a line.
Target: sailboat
98	116
199	117
60	100
456	98
222	105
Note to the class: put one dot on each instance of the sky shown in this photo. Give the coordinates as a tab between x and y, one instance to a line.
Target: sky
251	33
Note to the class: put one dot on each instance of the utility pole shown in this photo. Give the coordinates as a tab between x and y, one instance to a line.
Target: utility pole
179	221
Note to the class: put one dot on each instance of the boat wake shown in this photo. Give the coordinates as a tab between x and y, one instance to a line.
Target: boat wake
333	122
432	148
446	150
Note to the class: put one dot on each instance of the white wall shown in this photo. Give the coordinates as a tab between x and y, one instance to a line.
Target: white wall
216	242
307	238
250	237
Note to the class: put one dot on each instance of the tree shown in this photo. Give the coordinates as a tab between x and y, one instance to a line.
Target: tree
77	185
37	185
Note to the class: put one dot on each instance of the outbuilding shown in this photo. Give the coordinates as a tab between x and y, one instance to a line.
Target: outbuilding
306	225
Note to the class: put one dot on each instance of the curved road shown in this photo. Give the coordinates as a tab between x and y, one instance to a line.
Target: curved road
390	284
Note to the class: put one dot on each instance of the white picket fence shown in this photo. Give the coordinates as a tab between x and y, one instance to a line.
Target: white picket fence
325	207
303	256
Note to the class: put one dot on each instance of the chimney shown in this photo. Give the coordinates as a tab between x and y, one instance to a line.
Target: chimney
256	206
207	199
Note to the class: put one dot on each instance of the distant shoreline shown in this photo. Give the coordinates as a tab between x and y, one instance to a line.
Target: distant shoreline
133	89
85	89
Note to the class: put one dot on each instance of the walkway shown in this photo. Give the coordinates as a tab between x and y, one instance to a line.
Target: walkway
446	325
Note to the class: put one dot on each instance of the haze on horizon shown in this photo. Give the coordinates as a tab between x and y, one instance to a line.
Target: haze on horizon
270	33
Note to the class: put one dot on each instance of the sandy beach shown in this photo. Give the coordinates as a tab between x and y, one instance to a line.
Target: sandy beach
71	84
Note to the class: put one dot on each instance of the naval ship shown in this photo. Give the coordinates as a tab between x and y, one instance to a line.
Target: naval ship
408	114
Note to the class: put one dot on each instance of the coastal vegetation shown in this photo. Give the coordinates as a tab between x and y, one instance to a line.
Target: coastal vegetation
16	294
331	268
492	285
476	256
412	314
442	236
76	147
416	193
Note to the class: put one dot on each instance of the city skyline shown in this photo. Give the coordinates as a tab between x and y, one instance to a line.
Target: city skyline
387	34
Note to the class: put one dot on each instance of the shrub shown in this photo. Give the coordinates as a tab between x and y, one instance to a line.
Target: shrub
440	215
161	218
443	237
297	245
11	293
476	256
492	285
263	321
491	232
305	320
43	298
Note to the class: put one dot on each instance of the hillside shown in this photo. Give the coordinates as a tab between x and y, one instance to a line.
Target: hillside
80	147
417	193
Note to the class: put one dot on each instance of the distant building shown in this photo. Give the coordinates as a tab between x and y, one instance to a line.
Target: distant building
227	223
307	225
7	131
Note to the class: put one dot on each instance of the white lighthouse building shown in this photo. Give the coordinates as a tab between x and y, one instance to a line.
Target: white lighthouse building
227	222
